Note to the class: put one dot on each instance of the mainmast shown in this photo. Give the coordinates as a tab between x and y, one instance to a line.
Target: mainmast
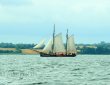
53	39
67	42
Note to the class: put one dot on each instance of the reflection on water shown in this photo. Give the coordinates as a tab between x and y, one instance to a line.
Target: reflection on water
35	70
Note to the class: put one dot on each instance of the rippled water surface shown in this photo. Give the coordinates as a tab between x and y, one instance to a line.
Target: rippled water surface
36	70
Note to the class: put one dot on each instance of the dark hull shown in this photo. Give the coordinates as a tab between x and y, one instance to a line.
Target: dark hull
53	55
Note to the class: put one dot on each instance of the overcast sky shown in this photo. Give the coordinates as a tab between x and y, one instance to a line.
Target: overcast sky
28	21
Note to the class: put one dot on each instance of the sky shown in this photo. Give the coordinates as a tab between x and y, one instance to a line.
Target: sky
29	21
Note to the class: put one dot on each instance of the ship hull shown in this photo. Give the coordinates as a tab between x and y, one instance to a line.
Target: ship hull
53	55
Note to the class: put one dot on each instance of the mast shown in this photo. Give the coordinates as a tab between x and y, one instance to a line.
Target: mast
53	39
67	42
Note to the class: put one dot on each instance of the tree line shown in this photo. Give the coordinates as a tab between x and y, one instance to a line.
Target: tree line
20	46
100	48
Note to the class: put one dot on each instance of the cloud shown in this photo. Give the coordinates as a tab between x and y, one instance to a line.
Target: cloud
14	2
53	10
87	17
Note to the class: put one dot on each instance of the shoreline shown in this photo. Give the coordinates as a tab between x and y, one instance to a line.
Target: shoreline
17	51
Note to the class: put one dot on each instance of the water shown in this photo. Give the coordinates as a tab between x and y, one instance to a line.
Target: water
36	70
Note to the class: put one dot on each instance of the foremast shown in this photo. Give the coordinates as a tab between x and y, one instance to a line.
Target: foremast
67	42
53	40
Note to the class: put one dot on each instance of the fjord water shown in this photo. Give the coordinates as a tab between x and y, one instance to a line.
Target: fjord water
36	70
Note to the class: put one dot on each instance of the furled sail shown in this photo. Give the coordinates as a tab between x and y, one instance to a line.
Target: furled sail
41	44
58	44
71	45
48	47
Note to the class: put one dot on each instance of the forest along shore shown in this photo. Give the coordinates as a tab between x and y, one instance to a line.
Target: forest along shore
17	51
10	48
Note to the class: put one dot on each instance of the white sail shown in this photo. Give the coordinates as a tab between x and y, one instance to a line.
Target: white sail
48	47
58	44
71	45
40	44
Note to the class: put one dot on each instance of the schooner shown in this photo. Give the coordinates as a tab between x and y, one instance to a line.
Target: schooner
56	48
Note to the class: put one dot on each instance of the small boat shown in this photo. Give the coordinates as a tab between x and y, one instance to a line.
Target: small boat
56	48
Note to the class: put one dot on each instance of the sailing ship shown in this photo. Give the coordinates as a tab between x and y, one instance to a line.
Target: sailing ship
56	48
